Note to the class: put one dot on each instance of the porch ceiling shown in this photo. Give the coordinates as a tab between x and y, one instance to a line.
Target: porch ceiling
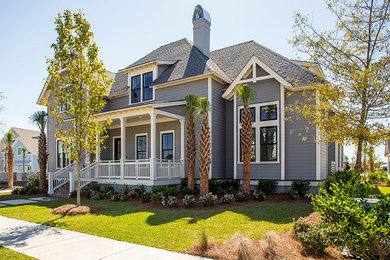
143	119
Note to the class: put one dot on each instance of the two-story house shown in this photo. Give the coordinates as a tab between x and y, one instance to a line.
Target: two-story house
146	141
23	138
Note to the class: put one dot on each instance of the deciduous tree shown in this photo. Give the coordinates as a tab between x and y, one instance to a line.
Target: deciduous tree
353	105
79	82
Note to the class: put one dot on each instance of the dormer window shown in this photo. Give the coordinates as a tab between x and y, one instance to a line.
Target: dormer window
144	93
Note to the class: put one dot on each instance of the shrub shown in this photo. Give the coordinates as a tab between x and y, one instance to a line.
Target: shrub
313	238
231	190
115	197
123	196
157	196
183	182
222	187
16	191
108	188
108	194
139	190
292	194
230	184
158	189
301	187
354	224
388	182
259	195
227	198
95	186
169	201
73	194
377	176
170	192
340	177
189	201
125	189
242	196
208	199
267	186
133	194
95	195
146	197
188	191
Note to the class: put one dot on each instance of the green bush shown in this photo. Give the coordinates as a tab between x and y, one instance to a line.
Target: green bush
267	186
183	182
222	187
139	190
157	196
341	177
377	176
73	194
146	197
360	227
301	187
115	197
158	189
242	196
189	201
95	186
108	188
188	191
292	194
232	184
314	239
208	200
170	192
259	195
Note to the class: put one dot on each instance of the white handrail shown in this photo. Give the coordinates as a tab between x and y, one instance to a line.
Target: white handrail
59	178
87	175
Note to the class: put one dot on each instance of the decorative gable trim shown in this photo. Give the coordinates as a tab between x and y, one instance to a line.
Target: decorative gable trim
252	63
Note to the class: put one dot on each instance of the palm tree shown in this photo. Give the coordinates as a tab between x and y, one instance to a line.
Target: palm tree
204	146
191	104
246	95
24	157
39	118
8	138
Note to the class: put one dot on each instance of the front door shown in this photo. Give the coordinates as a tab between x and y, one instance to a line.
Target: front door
117	149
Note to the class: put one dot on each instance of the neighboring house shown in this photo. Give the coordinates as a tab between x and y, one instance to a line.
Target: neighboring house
146	142
22	138
387	154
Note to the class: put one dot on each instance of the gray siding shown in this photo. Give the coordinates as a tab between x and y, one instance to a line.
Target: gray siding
267	91
117	103
300	155
229	138
178	92
218	131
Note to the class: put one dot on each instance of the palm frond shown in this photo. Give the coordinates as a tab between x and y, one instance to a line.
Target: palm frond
203	106
39	118
8	138
191	102
24	150
246	93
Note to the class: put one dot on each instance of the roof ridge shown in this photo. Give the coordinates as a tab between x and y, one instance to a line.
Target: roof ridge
232	46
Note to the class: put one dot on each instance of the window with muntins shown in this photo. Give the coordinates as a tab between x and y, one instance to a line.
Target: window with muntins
140	87
268	113
136	89
147	79
167	146
62	156
253	148
142	144
253	112
268	143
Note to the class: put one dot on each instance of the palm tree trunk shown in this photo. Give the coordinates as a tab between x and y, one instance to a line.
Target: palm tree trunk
191	150
246	142
42	160
10	167
24	160
204	155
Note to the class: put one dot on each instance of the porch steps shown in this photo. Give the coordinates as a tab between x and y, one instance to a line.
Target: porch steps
62	192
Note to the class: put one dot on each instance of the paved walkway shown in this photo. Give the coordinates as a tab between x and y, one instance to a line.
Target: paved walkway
44	242
25	201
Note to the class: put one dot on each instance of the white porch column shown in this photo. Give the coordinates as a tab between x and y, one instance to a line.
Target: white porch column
153	173
182	147
123	146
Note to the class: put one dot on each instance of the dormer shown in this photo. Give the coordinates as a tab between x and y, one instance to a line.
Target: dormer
141	77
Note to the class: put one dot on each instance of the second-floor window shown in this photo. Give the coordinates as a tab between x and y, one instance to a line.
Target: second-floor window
140	87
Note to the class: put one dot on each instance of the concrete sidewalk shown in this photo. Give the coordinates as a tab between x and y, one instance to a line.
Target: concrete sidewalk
44	242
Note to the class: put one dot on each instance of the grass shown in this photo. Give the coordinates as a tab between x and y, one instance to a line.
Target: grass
380	190
8	254
168	229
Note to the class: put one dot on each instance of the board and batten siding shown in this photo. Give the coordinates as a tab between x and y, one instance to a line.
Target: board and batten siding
300	155
267	91
218	126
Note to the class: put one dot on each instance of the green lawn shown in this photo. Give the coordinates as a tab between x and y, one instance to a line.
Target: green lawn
7	254
168	229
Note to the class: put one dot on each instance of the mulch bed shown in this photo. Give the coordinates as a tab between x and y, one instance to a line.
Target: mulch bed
72	209
271	246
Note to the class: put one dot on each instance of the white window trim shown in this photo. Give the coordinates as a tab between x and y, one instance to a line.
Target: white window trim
173	140
257	125
19	151
113	146
141	73
147	145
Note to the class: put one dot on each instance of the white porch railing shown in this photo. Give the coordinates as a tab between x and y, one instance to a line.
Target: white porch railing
137	169
109	170
332	166
169	169
87	175
60	178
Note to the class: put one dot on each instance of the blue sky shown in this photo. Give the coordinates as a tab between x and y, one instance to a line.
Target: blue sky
127	30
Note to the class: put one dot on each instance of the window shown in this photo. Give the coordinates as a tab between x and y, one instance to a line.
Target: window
253	111
62	156
268	143
141	147
136	89
20	151
268	113
253	150
167	152
65	105
146	81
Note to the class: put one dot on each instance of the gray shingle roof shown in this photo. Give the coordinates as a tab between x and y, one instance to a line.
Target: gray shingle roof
232	60
227	62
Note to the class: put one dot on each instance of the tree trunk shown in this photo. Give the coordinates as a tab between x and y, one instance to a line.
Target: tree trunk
191	150
246	143
5	161
10	167
24	160
78	202
204	156
371	163
42	161
358	165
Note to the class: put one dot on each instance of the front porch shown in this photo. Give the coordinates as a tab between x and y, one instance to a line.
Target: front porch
145	145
